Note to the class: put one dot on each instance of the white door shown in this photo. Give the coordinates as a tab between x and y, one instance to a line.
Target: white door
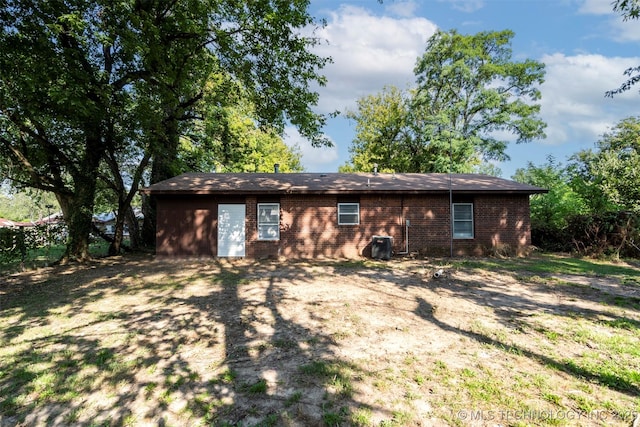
231	230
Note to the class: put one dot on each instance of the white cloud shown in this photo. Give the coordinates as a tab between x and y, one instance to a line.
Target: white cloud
404	9
619	29
595	7
625	31
368	53
314	159
372	51
467	6
573	102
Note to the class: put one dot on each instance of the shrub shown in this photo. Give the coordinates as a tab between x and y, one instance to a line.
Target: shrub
609	233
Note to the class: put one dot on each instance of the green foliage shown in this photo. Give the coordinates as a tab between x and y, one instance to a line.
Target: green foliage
616	167
593	204
630	9
229	140
27	244
126	83
381	133
468	90
606	233
553	208
27	205
12	245
609	178
583	181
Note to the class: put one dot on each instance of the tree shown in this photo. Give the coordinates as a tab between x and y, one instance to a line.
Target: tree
470	94
26	206
381	133
228	139
552	209
629	9
584	183
615	167
608	180
53	118
123	73
469	85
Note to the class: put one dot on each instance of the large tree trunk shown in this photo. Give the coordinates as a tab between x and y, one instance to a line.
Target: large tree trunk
79	215
78	221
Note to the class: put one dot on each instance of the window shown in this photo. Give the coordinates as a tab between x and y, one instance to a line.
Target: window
268	221
348	213
462	220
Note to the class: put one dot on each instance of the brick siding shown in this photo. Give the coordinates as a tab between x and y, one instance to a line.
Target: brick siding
309	226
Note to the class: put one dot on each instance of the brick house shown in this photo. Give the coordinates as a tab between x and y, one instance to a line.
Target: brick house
334	215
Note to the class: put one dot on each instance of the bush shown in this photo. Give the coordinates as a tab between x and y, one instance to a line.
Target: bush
608	233
17	243
13	246
550	238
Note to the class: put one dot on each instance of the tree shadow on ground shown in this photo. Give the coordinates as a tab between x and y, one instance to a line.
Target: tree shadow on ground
169	343
572	298
144	341
623	385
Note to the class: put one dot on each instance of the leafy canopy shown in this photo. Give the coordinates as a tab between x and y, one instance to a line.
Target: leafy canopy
615	167
555	207
89	83
471	98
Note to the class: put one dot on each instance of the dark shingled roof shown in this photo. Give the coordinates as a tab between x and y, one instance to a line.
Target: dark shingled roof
336	183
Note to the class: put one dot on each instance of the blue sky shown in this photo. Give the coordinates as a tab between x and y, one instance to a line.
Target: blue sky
583	43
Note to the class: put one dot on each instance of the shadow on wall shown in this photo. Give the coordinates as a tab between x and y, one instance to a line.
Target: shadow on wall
310	229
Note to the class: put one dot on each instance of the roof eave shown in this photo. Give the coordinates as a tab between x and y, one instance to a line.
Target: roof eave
335	192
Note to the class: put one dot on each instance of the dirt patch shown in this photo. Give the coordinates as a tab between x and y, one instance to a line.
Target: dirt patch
139	341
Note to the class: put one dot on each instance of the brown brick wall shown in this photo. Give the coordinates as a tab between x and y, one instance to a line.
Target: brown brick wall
186	227
309	226
501	223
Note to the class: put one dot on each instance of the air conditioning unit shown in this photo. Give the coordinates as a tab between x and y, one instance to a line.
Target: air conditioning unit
381	247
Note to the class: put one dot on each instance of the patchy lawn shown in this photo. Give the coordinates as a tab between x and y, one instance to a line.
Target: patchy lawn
138	341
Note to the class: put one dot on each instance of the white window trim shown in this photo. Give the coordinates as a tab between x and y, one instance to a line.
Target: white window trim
357	213
465	236
258	223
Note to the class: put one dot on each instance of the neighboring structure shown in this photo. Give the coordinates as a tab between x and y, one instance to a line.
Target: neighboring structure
106	222
310	215
7	223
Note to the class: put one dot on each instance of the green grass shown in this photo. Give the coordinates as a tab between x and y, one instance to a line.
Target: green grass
361	417
293	399
65	340
228	376
553	264
337	376
47	255
259	387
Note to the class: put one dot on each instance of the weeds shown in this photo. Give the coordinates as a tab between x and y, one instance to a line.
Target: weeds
259	387
88	346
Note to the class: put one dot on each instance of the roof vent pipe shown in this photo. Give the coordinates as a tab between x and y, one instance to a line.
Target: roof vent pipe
375	169
276	168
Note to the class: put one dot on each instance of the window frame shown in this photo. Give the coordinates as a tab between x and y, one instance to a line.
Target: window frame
260	223
356	213
466	221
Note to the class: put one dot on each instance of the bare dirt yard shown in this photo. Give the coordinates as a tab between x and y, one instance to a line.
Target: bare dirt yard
143	342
